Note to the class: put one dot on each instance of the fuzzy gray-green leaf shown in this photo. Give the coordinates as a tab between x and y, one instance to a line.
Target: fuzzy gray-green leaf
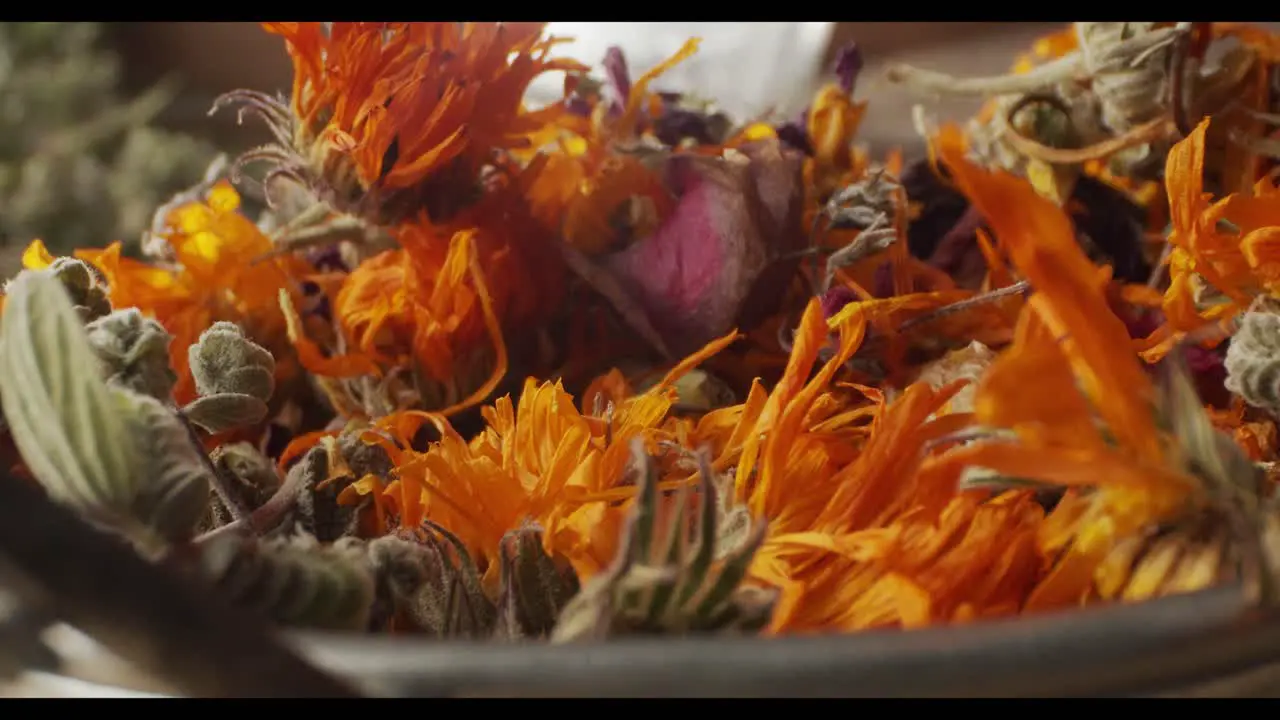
174	481
63	418
225	411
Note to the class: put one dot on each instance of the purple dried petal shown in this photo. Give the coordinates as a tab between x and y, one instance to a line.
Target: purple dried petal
1140	324
834	300
1204	360
1206	365
710	265
941	207
882	282
958	241
615	68
847	66
578	106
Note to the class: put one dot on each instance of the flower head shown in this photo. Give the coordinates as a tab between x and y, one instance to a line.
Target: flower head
385	115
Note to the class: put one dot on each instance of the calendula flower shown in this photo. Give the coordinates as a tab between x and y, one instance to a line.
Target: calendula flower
387	119
598	187
1068	337
849	513
539	459
396	313
1231	245
220	271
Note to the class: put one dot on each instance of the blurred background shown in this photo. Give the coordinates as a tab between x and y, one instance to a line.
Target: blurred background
100	123
746	67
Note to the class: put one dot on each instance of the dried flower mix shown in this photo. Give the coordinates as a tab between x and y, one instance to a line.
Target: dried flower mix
618	366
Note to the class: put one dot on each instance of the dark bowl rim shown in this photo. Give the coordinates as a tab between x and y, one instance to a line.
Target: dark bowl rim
1119	649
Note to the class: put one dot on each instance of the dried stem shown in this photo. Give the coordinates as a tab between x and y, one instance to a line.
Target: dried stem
157	621
1015	289
1040	77
1158	129
228	498
265	517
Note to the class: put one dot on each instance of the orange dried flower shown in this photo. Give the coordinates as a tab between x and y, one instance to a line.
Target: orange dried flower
386	119
218	273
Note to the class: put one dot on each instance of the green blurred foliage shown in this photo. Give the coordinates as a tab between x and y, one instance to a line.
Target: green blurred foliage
79	164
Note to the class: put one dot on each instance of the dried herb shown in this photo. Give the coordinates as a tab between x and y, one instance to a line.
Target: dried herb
966	396
667	577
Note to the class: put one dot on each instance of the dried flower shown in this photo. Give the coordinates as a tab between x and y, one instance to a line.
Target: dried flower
940	404
738	214
384	116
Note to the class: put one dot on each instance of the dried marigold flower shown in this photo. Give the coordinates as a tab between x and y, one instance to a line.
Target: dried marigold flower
389	119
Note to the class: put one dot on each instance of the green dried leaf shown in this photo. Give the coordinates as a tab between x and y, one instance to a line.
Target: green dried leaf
248	474
116	455
420	583
174	482
657	587
224	411
465	603
64	420
294	581
1208	452
318	511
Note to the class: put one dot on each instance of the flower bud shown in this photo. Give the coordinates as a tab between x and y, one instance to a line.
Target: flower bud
225	361
83	283
134	352
1253	358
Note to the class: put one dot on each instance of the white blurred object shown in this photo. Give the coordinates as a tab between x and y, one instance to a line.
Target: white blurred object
748	68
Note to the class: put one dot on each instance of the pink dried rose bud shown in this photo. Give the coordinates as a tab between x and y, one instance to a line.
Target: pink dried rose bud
723	257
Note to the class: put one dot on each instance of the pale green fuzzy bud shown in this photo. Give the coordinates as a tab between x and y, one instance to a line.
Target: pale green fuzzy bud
225	361
1253	358
134	352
